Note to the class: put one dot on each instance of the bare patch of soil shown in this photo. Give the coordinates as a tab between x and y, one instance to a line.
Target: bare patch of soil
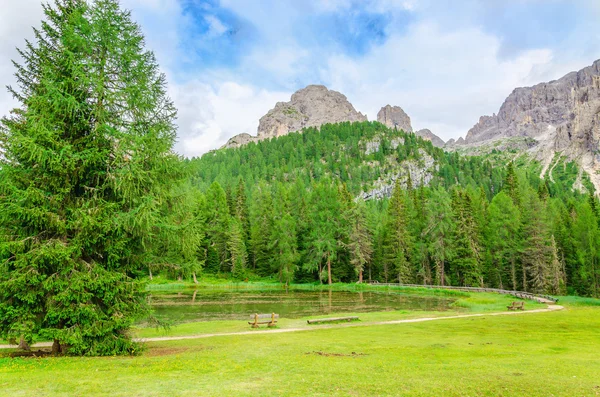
353	354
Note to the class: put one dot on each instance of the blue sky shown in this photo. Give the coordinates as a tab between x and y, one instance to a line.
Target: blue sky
446	62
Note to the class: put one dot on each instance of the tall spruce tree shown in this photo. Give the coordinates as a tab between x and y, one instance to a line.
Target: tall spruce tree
360	238
397	239
86	162
439	232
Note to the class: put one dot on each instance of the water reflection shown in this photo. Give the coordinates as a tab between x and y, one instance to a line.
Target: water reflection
219	304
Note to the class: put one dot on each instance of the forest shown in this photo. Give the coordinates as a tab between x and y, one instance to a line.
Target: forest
288	208
94	201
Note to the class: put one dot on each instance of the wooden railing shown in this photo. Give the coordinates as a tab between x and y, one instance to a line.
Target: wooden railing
517	294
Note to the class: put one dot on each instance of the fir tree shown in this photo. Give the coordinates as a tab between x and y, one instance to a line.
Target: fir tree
86	165
439	231
360	239
398	241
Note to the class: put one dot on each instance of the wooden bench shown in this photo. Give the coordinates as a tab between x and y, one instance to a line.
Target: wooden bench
516	306
269	319
332	319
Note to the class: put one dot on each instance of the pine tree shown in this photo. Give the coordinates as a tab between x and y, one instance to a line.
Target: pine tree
439	232
467	248
218	221
397	240
323	238
283	240
86	163
556	279
536	252
511	184
261	224
360	238
238	256
503	239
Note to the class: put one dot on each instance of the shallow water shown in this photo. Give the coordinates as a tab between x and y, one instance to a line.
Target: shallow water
238	304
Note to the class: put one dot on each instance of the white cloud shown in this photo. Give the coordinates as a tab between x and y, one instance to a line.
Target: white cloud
443	77
210	115
16	21
444	81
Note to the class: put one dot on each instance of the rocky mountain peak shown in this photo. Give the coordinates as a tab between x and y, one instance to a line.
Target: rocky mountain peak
394	117
312	106
560	116
430	136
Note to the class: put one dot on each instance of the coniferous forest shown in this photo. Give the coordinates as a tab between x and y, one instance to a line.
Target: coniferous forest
94	202
290	208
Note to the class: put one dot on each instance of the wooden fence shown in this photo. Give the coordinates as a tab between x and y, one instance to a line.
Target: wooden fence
517	294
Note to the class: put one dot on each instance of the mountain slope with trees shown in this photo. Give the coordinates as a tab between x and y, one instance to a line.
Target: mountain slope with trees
469	221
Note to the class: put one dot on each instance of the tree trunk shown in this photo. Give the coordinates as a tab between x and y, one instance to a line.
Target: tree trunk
513	273
329	270
150	274
320	271
524	278
195	279
24	345
194	296
360	276
56	347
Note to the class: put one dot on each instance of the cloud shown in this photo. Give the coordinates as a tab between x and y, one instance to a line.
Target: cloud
213	114
16	21
445	62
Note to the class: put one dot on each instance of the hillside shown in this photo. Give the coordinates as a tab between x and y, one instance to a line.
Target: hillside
368	157
557	119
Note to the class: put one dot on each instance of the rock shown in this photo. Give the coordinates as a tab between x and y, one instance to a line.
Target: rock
460	141
450	142
420	172
561	116
394	117
312	106
430	136
239	140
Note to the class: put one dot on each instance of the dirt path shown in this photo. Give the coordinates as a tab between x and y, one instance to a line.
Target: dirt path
550	308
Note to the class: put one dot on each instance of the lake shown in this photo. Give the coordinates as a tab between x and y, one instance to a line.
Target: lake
238	304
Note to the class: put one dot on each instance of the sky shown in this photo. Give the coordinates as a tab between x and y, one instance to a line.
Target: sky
445	62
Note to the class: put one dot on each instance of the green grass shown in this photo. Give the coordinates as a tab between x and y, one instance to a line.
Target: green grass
537	354
540	354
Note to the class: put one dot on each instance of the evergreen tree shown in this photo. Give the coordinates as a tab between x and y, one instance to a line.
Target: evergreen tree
261	213
397	240
360	238
323	238
218	221
238	257
467	248
86	164
503	239
439	232
536	252
283	240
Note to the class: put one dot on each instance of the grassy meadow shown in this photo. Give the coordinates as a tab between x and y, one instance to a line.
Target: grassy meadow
537	354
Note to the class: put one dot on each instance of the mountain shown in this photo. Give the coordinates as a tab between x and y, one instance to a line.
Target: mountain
394	117
311	106
430	136
553	120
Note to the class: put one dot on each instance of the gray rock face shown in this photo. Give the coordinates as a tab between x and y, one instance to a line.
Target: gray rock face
430	136
394	117
239	140
420	173
312	106
561	115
